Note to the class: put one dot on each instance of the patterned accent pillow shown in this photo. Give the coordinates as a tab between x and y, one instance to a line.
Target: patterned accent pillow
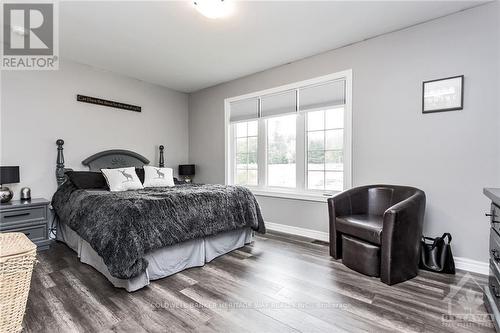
122	179
158	177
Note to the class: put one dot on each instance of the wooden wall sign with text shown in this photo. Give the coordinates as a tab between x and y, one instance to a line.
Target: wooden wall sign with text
104	102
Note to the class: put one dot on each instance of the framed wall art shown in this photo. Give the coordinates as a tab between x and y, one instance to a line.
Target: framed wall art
443	94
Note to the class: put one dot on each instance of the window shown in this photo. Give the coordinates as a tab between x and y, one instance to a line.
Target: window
325	137
246	153
293	140
281	147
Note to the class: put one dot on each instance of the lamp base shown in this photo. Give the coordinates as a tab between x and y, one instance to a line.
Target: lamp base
187	179
5	194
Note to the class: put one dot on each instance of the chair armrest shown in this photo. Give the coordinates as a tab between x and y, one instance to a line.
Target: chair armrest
405	213
401	234
342	204
339	205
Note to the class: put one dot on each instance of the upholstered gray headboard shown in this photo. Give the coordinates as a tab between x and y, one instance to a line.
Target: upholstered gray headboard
114	158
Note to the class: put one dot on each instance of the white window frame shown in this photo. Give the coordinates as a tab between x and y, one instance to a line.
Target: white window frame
299	193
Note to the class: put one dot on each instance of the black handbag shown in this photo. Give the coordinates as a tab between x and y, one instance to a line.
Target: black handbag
436	256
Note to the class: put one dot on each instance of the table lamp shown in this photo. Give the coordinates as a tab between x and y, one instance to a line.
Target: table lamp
8	175
186	171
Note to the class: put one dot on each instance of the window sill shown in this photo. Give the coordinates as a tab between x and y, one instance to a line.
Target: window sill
292	195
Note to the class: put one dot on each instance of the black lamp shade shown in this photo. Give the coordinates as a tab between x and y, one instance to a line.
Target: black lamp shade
9	174
186	170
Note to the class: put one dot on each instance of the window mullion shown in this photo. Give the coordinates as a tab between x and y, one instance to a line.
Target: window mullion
232	153
262	153
300	152
347	148
324	150
248	157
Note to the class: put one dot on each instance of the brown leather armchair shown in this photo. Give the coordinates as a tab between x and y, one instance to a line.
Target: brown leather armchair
376	230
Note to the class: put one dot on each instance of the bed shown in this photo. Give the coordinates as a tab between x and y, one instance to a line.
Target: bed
135	237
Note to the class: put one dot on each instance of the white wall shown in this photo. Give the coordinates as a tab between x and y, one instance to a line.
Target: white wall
451	156
38	107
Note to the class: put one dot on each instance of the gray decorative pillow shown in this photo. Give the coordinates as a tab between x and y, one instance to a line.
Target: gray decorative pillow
158	177
122	179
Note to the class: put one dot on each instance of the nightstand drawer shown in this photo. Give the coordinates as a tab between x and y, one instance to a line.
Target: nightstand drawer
21	215
35	233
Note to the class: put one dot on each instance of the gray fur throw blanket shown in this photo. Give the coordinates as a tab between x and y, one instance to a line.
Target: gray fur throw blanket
123	226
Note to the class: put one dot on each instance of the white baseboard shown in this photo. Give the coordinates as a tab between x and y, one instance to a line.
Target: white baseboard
465	264
470	265
319	235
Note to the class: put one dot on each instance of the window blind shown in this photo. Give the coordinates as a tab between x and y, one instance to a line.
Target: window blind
246	109
276	104
322	96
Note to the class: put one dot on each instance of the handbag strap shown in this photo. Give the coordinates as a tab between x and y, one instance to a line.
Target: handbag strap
434	240
437	239
446	234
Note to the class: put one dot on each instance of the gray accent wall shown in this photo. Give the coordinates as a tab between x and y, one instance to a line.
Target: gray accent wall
38	107
450	155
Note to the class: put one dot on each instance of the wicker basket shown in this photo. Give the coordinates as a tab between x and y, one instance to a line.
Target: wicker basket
17	257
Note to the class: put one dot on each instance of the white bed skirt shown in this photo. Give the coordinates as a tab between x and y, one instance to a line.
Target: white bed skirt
162	262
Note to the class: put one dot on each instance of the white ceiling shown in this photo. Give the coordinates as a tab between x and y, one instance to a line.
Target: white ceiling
171	44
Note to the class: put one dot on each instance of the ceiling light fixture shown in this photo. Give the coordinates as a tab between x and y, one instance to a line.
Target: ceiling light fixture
214	8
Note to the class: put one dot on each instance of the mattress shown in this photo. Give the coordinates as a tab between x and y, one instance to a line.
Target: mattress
162	262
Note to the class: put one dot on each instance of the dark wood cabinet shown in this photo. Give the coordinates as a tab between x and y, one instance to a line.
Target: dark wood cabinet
492	291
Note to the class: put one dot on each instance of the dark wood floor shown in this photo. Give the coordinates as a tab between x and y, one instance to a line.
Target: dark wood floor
278	284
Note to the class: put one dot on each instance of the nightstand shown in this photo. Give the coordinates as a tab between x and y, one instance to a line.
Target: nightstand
29	217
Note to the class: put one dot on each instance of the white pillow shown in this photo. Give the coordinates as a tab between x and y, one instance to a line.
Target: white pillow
122	179
158	177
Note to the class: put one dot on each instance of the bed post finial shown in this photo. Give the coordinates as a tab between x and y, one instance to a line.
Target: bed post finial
60	163
161	163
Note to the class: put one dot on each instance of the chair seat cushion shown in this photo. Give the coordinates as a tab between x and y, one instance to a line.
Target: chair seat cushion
365	227
361	256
